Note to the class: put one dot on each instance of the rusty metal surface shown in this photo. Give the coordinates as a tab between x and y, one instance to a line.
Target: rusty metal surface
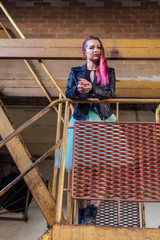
116	161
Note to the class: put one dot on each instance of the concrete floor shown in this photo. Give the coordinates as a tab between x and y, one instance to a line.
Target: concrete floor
20	230
36	224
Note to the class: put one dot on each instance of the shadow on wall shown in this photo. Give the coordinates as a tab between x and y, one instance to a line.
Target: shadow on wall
114	53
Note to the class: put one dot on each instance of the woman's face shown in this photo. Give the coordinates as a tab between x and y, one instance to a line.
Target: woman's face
93	50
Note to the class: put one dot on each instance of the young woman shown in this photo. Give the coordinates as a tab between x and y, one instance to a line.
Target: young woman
92	80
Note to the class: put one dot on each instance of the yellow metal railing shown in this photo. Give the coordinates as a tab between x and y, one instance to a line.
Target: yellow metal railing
32	71
65	132
158	114
71	208
59	194
40	61
23	127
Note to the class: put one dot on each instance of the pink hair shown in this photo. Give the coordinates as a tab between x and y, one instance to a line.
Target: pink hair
102	68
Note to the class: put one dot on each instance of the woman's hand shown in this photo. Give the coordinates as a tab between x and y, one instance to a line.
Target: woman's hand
84	86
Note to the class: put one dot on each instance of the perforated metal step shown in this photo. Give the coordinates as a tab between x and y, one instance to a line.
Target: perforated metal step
108	214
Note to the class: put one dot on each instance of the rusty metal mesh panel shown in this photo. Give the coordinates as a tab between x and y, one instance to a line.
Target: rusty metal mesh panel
116	161
108	214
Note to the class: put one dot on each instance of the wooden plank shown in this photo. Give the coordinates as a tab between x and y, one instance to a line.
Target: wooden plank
30	88
30	83
138	89
71	48
47	235
81	232
23	160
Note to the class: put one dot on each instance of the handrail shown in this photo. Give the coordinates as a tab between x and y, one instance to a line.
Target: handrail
34	74
5	29
49	152
91	100
63	160
65	132
62	169
29	66
118	100
40	61
58	136
30	121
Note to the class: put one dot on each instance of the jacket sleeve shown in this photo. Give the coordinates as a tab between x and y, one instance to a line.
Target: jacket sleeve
112	81
105	92
71	91
100	92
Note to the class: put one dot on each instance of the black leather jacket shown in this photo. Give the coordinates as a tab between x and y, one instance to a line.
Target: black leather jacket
82	109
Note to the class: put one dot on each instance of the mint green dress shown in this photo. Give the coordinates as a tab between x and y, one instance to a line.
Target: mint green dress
92	116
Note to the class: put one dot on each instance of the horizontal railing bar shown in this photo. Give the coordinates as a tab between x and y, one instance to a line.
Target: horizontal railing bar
91	100
30	121
118	100
45	155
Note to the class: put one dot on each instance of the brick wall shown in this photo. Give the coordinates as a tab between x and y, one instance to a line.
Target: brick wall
79	18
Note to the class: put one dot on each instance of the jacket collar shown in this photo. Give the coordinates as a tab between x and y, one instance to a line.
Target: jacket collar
81	71
82	68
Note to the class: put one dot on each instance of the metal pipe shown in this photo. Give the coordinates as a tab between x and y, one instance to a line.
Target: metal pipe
118	100
45	155
158	114
51	77
54	81
34	74
11	20
39	82
74	211
26	207
117	111
66	190
58	134
143	214
118	215
30	121
62	168
45	110
69	200
7	33
40	61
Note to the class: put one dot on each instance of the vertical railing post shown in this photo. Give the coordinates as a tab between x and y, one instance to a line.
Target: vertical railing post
74	211
40	61
58	136
62	168
143	214
69	200
118	215
117	111
158	114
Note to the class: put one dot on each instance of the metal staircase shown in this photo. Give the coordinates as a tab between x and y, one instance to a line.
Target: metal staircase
51	204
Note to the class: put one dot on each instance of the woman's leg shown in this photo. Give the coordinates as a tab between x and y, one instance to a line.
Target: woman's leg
87	214
82	204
